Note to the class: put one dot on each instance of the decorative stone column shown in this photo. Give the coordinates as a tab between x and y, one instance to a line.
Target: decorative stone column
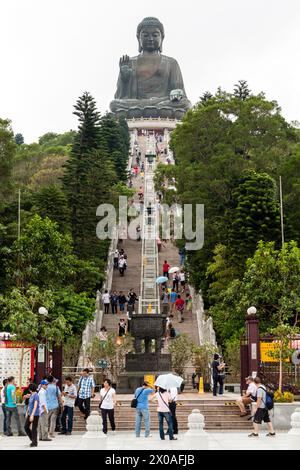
293	436
295	423
94	438
196	437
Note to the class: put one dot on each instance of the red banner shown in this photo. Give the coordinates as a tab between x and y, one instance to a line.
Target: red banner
16	344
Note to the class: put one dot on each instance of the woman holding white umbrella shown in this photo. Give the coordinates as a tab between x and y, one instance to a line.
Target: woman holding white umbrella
165	382
163	410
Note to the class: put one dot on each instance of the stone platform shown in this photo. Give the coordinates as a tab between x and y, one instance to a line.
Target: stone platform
152	124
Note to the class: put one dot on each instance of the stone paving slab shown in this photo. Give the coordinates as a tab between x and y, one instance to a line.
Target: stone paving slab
126	441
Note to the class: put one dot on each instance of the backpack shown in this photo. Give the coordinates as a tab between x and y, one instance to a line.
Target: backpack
172	333
5	394
269	403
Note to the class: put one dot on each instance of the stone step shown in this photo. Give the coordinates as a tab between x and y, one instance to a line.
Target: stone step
217	415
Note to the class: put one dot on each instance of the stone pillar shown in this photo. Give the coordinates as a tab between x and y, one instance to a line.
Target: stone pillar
196	437
94	438
293	436
253	341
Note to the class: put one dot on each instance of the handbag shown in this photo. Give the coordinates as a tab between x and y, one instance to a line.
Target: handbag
134	401
76	403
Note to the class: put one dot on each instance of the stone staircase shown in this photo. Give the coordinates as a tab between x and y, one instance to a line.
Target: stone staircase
220	414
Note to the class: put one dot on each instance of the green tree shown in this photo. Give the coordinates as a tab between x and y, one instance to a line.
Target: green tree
23	320
115	142
42	256
270	283
241	90
19	139
87	276
201	358
290	172
254	215
86	140
77	309
205	97
220	272
181	351
113	351
216	141
7	153
50	201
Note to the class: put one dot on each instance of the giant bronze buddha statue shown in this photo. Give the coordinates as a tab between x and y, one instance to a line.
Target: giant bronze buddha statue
150	84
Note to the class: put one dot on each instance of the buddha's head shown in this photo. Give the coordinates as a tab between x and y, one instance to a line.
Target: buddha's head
150	34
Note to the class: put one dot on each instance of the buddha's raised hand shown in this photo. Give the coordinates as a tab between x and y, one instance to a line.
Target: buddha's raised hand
125	67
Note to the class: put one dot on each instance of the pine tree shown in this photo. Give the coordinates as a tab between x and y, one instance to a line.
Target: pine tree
50	201
115	141
76	168
241	90
205	97
255	215
7	153
19	139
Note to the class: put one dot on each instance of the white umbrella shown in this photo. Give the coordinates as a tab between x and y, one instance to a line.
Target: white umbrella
174	270
167	381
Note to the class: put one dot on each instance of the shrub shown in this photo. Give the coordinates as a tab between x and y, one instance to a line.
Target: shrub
285	397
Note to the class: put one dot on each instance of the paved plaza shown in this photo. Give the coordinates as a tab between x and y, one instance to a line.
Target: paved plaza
126	441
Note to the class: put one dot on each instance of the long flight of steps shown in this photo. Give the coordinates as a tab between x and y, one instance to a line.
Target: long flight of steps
220	414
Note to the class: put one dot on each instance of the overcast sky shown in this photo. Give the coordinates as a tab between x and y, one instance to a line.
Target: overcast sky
53	50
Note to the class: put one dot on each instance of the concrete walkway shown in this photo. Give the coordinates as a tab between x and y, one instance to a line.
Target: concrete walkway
127	441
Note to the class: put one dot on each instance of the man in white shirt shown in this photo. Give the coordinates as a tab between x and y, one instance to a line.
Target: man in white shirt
122	265
106	301
182	280
108	402
248	397
69	394
43	420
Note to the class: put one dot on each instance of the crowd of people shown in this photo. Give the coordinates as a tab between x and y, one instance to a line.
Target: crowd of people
120	261
46	408
175	298
119	301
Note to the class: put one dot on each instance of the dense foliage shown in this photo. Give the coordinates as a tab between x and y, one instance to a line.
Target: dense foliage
57	261
230	150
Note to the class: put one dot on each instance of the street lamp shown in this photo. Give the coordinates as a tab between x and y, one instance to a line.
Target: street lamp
251	310
43	311
41	352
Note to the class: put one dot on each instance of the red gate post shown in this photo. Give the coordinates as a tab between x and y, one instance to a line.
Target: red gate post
253	341
57	357
40	362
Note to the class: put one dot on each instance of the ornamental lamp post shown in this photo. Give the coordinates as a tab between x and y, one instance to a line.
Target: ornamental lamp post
253	341
40	359
43	311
